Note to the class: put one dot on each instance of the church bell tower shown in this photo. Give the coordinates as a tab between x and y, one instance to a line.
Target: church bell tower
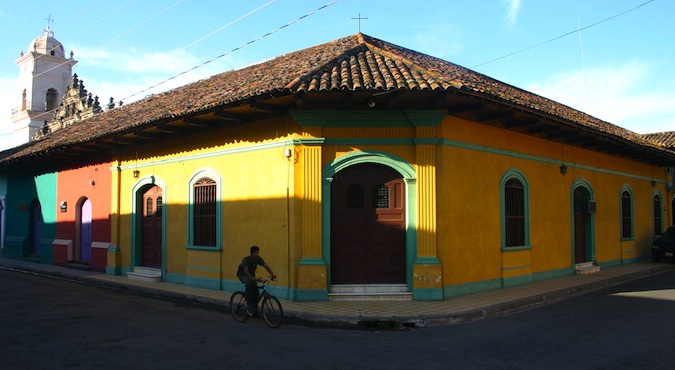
44	76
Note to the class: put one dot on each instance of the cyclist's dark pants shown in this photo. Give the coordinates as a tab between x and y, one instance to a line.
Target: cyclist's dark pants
251	291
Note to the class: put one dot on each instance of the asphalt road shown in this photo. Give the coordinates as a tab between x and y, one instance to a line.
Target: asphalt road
54	324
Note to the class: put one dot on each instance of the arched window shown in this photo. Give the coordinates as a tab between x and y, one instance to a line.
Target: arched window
658	215
204	210
626	214
204	213
515	210
51	100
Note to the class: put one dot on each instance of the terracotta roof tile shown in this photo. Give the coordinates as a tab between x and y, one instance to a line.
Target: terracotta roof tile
665	139
357	63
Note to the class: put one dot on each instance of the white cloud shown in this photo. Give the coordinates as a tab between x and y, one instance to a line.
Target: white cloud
512	10
613	94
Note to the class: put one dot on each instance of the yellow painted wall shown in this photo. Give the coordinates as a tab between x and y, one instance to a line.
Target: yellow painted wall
263	191
256	178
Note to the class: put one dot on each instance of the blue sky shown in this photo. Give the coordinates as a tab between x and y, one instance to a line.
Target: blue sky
619	67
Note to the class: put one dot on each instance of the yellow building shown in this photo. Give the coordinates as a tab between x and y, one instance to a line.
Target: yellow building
365	169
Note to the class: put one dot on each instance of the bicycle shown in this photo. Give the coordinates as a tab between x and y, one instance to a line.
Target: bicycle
271	307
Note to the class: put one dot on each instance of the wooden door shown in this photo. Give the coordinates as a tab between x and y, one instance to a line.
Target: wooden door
581	220
368	238
151	250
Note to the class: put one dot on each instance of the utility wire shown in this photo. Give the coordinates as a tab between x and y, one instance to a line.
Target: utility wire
235	49
563	35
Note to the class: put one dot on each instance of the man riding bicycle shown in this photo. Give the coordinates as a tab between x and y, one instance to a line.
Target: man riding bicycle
246	274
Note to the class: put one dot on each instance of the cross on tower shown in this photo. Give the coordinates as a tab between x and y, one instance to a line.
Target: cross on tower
359	19
49	20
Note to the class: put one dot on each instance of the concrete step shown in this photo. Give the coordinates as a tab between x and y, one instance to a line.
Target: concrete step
79	265
586	268
336	297
148	274
369	292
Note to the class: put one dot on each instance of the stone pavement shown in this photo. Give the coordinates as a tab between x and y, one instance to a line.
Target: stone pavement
368	314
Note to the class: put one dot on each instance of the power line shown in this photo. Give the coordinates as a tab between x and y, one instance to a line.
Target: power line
563	35
235	49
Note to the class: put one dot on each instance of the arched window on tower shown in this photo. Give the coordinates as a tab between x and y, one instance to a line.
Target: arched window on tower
23	100
51	99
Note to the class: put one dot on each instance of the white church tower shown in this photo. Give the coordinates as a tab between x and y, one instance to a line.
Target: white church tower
44	76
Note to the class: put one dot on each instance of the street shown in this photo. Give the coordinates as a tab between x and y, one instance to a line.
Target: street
49	323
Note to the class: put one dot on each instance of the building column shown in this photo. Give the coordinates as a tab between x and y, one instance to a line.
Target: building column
312	270
427	273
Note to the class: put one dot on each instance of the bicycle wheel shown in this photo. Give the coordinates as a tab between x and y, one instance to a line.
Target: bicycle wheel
272	311
238	306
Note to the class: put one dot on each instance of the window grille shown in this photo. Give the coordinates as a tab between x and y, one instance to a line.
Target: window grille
381	196
204	212
657	215
148	207
626	216
514	212
160	207
355	196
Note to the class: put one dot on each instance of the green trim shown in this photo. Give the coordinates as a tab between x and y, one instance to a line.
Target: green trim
312	262
514	173
626	189
199	282
427	294
518	280
410	179
516	267
612	263
110	270
553	274
308	295
204	248
427	261
516	249
471	288
368	118
202	268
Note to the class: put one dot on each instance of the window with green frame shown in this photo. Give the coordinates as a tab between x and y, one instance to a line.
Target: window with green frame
626	214
204	214
515	210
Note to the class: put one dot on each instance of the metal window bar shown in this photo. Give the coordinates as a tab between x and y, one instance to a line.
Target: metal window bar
626	217
204	215
381	196
148	207
514	213
657	216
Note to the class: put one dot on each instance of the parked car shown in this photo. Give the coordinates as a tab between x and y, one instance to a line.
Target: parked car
664	246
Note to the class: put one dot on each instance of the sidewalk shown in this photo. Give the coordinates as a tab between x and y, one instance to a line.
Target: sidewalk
354	314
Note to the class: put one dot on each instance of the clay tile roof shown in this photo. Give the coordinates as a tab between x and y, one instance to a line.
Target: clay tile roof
665	139
357	63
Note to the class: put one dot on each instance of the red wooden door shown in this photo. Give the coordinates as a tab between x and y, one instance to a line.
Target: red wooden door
368	226
151	251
